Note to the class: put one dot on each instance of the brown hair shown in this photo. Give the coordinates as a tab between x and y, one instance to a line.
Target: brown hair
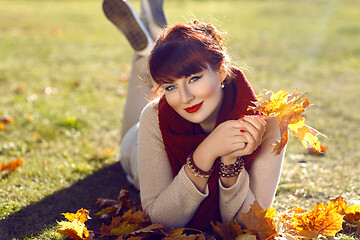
185	49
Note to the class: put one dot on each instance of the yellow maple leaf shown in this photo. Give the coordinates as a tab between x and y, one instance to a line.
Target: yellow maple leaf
259	222
338	205
75	228
82	215
287	109
322	220
283	223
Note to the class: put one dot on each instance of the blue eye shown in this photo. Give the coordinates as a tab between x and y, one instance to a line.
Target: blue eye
194	79
170	88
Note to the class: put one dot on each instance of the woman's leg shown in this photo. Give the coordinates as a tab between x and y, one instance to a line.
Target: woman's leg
141	35
139	91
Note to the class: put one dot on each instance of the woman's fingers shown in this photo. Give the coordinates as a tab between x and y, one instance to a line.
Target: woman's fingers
254	125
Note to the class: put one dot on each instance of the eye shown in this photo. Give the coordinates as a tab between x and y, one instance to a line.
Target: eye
169	87
194	79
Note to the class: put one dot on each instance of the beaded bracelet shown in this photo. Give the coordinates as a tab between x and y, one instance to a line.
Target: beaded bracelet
197	171
232	170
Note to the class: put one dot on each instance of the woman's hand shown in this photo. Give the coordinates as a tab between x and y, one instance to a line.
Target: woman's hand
224	139
252	130
229	140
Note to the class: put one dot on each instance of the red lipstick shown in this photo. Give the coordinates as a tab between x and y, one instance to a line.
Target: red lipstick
194	108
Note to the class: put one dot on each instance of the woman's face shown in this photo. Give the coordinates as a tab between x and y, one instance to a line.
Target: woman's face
197	98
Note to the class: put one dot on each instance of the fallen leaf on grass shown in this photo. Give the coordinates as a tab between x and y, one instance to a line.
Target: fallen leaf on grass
20	89
113	207
322	220
352	214
283	223
259	222
229	231
5	121
75	228
287	111
6	168
184	234
126	224
81	215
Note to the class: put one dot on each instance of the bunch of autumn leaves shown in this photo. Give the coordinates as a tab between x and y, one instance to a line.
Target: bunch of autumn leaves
131	223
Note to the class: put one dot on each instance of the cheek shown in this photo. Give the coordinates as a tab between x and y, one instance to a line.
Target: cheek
208	90
172	99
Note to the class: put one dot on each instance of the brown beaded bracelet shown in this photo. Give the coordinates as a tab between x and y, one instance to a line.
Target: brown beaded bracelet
232	170
197	171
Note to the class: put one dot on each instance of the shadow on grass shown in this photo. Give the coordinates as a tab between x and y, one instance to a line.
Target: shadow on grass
33	219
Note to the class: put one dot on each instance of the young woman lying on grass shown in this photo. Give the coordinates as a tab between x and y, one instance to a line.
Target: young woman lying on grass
197	155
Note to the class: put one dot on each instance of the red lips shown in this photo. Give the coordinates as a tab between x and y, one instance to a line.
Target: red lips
193	108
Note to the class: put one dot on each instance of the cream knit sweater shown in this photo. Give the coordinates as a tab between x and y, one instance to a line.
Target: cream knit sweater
174	200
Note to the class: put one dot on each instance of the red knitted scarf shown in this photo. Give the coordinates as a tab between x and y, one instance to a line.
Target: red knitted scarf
181	137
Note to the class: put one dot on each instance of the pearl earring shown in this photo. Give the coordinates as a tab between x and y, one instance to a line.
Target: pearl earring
222	85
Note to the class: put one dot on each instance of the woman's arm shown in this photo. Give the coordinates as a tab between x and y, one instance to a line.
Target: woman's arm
259	184
168	200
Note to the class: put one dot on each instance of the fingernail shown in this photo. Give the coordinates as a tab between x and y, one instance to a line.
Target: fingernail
241	116
242	130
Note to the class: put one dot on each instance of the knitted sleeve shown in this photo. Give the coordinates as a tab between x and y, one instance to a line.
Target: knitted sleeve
167	200
258	184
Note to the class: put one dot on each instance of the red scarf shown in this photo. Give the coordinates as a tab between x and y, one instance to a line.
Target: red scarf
181	137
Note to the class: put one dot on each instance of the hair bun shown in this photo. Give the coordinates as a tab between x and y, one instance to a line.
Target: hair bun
209	30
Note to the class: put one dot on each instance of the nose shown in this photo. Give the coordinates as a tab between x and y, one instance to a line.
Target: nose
185	94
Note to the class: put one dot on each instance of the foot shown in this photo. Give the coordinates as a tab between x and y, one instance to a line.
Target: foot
153	16
123	16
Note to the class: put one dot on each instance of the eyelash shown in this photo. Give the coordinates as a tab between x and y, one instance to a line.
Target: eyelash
193	79
196	78
170	88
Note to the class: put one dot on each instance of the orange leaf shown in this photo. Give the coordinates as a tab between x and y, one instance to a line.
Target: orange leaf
7	120
6	168
126	224
227	230
259	222
184	234
283	222
285	107
113	207
322	151
322	220
352	214
338	205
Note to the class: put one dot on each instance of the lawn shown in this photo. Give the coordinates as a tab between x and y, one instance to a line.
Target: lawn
62	71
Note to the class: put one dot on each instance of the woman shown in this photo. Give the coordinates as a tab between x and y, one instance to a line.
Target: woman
190	137
191	157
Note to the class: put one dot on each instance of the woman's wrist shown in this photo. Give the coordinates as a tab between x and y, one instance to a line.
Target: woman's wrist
231	170
204	157
198	172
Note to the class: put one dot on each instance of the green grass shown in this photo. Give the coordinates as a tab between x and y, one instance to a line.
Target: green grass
62	61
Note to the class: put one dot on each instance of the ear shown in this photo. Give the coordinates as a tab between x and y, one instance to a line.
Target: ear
222	72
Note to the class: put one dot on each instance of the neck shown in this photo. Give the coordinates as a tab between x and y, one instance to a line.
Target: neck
209	124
